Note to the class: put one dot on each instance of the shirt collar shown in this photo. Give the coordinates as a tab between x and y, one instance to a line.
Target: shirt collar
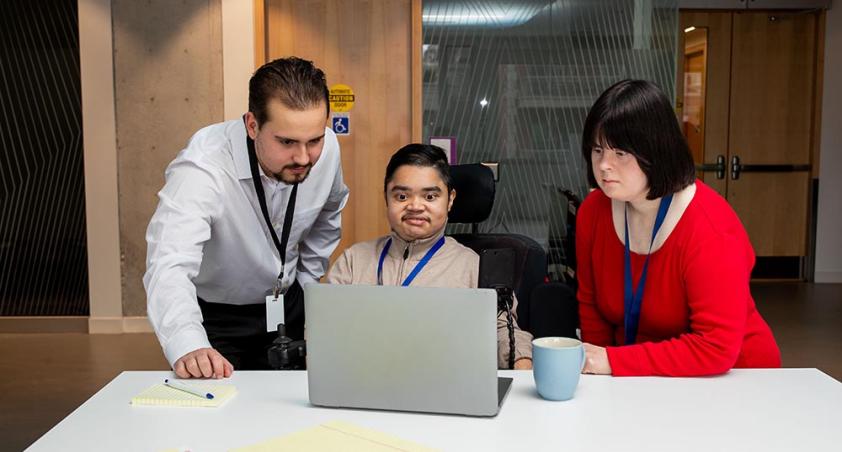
241	157
241	152
416	248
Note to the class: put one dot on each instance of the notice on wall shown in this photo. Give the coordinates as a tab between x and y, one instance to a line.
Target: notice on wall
341	98
448	144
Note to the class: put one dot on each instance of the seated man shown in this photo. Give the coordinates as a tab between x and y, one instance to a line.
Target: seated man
419	196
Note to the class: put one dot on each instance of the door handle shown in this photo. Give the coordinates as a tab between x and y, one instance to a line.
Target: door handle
737	168
718	167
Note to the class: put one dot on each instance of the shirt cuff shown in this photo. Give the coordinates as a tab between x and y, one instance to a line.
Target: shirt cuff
185	342
523	345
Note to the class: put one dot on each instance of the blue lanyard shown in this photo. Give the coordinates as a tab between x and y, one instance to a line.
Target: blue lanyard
415	270
633	299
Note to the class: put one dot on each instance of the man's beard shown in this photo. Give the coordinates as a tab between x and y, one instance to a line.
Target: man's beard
293	178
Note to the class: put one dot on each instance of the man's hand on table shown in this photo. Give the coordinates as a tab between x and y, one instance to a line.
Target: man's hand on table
203	363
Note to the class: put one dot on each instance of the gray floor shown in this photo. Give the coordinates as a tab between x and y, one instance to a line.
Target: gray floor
46	376
807	322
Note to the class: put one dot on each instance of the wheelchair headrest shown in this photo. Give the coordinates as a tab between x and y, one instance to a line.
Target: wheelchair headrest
475	188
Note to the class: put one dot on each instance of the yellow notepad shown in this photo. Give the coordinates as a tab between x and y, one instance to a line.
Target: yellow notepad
336	435
162	394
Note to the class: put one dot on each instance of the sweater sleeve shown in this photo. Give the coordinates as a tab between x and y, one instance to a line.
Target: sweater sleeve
342	271
523	340
595	329
716	275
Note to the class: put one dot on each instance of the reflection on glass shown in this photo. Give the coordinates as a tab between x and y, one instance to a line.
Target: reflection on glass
539	65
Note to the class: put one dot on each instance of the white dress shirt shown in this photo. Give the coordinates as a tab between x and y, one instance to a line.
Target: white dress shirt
208	237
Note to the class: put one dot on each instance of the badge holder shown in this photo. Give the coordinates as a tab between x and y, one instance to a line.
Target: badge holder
274	308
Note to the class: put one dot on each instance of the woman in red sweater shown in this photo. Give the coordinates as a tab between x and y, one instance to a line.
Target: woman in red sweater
663	261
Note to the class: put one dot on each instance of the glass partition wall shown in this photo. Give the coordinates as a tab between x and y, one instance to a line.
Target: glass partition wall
511	82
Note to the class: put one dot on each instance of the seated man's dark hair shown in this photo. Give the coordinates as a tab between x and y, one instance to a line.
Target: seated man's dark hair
417	154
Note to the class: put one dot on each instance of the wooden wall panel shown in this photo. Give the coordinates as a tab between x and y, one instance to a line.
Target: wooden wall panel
366	45
772	85
815	143
773	82
762	96
773	208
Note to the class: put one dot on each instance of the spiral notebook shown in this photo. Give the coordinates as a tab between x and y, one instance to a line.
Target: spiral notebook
161	394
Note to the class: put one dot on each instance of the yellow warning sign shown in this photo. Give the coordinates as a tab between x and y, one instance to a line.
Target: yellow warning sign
341	98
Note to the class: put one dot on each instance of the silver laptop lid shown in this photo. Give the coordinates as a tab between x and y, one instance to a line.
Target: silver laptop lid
402	348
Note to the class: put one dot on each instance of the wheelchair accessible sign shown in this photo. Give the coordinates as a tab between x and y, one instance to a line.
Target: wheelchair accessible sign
341	99
340	123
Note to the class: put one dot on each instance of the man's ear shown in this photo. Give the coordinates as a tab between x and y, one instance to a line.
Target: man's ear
251	125
451	197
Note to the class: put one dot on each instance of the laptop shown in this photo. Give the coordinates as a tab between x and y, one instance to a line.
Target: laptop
403	348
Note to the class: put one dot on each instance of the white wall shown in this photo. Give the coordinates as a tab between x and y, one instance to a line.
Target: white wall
829	222
100	154
237	55
107	297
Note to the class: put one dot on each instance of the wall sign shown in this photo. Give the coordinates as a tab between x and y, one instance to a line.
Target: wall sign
341	98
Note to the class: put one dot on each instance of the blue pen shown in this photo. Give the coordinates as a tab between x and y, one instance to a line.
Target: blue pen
187	388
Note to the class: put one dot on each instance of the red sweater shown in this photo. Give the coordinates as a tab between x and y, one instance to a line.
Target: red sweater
697	315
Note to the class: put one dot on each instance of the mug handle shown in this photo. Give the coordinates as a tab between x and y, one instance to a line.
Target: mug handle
582	359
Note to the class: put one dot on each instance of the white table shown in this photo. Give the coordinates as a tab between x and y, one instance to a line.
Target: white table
744	410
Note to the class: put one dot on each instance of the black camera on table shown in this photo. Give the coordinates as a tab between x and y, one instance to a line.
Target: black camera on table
287	354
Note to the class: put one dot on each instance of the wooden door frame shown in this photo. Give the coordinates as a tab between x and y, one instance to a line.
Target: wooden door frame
416	68
808	264
259	33
690	51
717	84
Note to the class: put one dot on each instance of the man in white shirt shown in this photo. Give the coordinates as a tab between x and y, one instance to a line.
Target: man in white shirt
214	271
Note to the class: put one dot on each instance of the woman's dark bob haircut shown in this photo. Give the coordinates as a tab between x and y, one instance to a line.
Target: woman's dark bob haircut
417	154
636	116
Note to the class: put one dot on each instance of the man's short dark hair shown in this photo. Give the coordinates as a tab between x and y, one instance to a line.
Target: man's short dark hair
636	116
417	154
295	82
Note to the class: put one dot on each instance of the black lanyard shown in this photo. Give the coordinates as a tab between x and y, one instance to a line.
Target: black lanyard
261	196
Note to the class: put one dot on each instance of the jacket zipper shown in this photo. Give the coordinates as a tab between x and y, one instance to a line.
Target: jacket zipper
403	264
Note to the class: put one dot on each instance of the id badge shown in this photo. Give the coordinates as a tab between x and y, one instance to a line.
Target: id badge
274	312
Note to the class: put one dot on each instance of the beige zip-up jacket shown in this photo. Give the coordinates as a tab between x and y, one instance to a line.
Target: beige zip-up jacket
453	265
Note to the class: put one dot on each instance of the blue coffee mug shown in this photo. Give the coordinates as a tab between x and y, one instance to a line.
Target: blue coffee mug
557	364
